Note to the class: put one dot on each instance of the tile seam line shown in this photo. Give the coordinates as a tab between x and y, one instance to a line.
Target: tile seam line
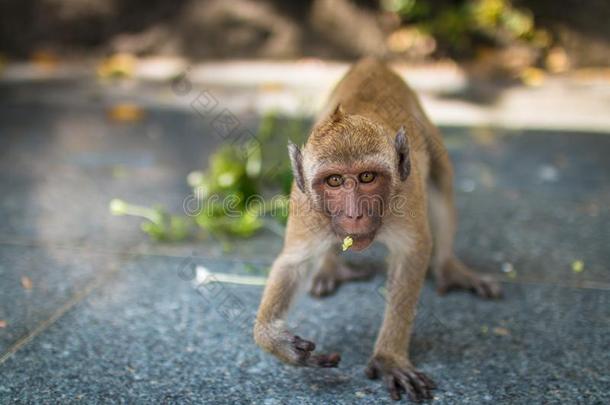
588	285
127	252
60	312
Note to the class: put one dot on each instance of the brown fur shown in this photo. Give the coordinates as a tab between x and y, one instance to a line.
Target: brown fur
360	130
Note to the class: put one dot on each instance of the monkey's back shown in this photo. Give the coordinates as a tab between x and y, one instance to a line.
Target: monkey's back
372	90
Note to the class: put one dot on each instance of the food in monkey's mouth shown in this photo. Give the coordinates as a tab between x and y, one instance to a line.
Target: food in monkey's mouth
347	243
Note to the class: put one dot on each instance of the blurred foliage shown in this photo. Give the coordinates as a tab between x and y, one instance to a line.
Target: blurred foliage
231	192
460	25
49	31
120	65
159	225
125	112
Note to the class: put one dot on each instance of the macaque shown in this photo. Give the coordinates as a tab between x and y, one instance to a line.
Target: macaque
374	168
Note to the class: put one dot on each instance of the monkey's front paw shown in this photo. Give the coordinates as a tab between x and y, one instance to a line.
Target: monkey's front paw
304	349
292	349
401	378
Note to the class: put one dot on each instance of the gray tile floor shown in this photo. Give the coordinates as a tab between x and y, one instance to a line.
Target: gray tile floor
110	319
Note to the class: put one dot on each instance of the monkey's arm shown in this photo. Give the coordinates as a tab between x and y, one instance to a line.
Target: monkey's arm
390	360
270	332
287	273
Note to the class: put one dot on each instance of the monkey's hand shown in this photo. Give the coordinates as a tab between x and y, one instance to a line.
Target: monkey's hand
292	349
400	376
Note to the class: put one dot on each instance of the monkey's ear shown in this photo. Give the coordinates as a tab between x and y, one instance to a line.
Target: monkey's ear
296	161
337	113
402	149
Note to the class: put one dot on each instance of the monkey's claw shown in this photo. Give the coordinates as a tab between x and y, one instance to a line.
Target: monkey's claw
486	287
302	345
397	379
304	349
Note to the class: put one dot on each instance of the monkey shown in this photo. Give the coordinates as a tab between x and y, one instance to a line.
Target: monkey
373	168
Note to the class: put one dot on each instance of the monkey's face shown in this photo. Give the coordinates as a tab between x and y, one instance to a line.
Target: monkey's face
348	170
354	198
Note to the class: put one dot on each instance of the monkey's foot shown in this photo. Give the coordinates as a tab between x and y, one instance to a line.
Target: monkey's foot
327	281
401	378
455	276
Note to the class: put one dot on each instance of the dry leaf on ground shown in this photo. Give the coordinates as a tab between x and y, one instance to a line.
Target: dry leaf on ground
125	113
26	282
500	331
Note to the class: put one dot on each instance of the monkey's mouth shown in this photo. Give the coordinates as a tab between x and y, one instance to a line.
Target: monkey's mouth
360	241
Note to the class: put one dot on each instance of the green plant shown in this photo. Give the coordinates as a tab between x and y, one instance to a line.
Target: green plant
230	191
159	225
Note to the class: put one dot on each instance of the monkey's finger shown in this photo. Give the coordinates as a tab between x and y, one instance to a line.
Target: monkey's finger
302	344
484	289
390	383
322	287
479	289
427	380
406	385
324	360
493	289
371	372
331	285
414	377
412	380
315	289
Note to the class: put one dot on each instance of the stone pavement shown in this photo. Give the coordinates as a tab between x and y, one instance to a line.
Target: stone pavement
109	316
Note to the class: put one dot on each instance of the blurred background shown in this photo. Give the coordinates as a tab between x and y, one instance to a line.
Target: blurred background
144	182
531	33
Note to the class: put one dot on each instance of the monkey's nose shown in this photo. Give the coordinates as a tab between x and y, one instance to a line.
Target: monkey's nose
354	216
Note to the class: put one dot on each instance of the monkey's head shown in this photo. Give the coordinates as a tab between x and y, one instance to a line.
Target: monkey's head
349	169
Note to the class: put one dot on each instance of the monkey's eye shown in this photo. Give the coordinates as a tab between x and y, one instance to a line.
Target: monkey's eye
334	180
366	177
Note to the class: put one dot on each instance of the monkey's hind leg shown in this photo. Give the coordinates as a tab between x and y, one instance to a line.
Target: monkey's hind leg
450	273
332	272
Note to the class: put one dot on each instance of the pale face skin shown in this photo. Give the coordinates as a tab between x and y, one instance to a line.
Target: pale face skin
354	200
